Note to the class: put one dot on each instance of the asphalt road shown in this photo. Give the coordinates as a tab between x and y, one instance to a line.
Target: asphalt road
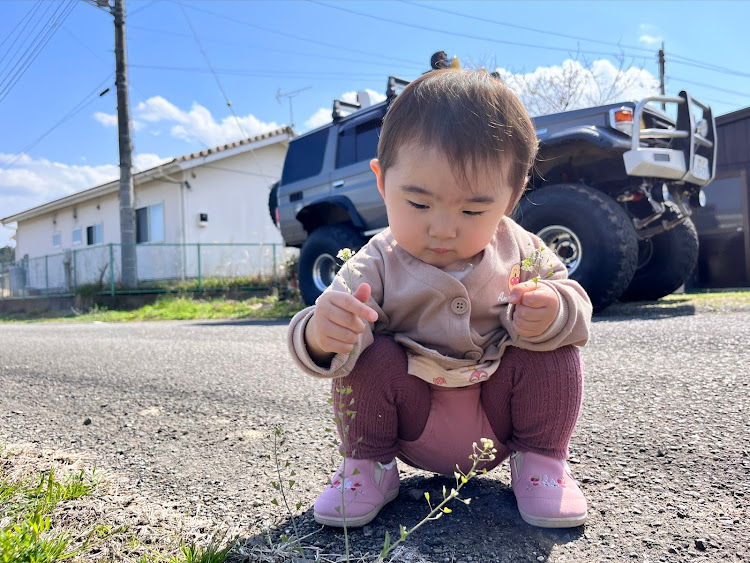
185	411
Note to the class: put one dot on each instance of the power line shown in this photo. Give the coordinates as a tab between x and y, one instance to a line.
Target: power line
218	82
132	86
458	34
736	93
526	28
90	97
29	15
210	66
244	172
263	73
348	48
139	10
316	56
22	33
32	52
674	57
714	68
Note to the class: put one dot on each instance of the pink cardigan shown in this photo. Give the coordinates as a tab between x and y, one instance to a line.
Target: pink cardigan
454	323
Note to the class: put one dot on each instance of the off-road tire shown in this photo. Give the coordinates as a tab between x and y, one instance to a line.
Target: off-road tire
600	246
665	262
317	260
273	202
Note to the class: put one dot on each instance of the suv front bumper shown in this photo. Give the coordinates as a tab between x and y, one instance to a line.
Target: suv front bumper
690	156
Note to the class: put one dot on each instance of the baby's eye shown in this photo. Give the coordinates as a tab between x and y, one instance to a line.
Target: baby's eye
473	213
416	205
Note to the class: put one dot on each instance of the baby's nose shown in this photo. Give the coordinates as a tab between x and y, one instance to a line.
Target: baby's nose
443	227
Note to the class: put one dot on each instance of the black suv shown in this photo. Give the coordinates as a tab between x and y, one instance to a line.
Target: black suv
612	192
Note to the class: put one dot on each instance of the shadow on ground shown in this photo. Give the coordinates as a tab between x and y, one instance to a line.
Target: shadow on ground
489	529
241	322
627	311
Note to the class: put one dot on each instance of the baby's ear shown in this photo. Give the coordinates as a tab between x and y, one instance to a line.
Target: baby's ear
375	165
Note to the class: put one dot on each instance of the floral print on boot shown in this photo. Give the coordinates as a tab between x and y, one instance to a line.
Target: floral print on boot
367	485
546	493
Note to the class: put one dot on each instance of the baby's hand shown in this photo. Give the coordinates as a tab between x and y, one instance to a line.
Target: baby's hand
337	323
536	308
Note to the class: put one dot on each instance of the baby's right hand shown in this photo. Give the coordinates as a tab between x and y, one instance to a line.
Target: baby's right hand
337	323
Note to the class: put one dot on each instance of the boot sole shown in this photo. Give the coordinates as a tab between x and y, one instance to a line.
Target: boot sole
542	522
358	521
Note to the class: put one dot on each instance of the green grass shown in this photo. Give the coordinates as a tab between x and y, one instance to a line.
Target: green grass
683	303
38	523
728	298
177	307
26	533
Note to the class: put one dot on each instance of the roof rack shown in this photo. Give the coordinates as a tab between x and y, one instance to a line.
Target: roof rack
342	109
394	87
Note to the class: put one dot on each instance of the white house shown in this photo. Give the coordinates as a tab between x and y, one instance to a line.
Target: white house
203	212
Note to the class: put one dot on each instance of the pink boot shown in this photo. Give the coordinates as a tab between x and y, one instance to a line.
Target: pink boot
546	493
368	486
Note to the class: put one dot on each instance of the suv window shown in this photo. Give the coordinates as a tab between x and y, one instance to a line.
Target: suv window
358	142
305	157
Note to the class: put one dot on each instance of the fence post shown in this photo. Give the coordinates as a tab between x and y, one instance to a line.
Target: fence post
46	275
111	269
75	273
200	279
275	273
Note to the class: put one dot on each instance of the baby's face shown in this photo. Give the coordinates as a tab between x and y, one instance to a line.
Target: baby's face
432	215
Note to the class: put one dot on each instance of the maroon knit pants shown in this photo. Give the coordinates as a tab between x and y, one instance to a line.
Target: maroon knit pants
532	401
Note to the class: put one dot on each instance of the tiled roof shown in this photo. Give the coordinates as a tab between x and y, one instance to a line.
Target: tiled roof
248	141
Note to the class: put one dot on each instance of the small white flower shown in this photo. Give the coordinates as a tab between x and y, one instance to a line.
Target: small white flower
344	254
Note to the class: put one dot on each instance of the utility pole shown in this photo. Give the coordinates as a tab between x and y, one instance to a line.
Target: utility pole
662	89
127	192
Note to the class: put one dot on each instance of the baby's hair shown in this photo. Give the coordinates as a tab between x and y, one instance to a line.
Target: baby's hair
471	117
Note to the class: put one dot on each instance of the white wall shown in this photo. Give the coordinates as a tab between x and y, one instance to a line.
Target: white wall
34	236
233	191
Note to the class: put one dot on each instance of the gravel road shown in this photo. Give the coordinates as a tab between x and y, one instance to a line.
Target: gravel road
182	413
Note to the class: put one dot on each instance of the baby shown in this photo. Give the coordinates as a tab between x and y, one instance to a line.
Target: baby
442	335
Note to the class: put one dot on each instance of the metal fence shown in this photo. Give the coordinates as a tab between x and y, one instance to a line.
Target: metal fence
160	266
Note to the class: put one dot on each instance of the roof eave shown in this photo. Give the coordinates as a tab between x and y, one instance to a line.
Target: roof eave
208	158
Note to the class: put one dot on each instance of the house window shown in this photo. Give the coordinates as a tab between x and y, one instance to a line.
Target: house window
94	234
76	236
56	240
149	223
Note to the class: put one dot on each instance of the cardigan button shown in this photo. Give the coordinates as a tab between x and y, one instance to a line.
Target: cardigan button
473	355
460	305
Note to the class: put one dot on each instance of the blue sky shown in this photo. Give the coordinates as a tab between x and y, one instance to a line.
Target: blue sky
58	135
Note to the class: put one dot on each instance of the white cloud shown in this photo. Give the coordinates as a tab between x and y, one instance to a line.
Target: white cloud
198	123
320	117
106	119
374	96
649	39
26	182
110	120
323	115
573	86
145	161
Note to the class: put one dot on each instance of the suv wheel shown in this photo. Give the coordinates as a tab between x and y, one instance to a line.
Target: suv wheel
317	260
273	203
590	233
665	262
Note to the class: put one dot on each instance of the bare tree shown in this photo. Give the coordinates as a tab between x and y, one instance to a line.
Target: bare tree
578	84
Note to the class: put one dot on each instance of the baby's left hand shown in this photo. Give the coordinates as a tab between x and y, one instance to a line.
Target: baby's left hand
536	308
